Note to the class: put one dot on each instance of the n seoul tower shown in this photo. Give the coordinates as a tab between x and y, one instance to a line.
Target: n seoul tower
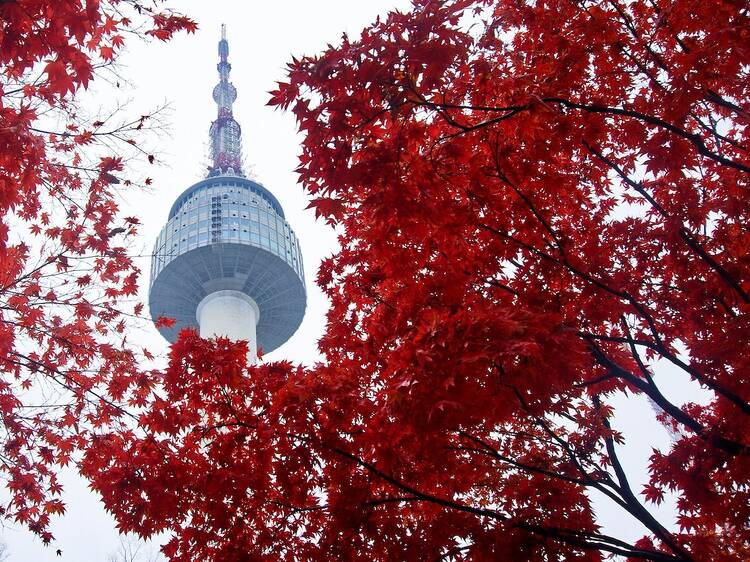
227	262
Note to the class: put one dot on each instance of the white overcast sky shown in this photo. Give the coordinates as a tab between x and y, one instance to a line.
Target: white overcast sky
262	38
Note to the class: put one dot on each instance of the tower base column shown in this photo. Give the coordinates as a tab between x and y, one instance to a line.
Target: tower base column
230	314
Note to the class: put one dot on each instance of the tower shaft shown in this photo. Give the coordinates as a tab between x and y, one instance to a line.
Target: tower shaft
230	314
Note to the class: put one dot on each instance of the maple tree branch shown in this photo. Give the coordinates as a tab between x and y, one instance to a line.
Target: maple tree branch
298	509
493	453
655	80
651	390
664	21
627	499
646	315
565	446
634	351
596	541
712	128
628	22
399	484
587	481
725	103
527	200
685	235
504	287
597	380
483	124
441	108
611	339
70	384
641	66
566	264
49	260
383	501
658	345
672	358
634	506
693	138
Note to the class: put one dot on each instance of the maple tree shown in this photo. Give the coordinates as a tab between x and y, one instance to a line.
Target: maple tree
65	276
538	202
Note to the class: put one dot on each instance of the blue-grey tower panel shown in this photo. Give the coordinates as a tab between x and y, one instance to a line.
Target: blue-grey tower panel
229	233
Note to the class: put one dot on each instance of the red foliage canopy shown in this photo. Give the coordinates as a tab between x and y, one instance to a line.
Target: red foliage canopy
65	276
538	201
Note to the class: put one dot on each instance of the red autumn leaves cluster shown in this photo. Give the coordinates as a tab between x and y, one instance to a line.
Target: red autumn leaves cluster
65	276
537	203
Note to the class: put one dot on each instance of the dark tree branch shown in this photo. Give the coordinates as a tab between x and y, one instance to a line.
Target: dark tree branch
634	506
685	235
651	390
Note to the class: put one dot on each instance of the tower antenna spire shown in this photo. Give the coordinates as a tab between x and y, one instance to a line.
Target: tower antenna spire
225	132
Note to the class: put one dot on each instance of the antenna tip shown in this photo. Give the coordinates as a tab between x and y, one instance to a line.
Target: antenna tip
223	31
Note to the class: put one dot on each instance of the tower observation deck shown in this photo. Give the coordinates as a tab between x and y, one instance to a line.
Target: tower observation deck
227	262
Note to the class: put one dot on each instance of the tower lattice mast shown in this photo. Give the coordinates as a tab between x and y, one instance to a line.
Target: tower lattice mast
225	132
